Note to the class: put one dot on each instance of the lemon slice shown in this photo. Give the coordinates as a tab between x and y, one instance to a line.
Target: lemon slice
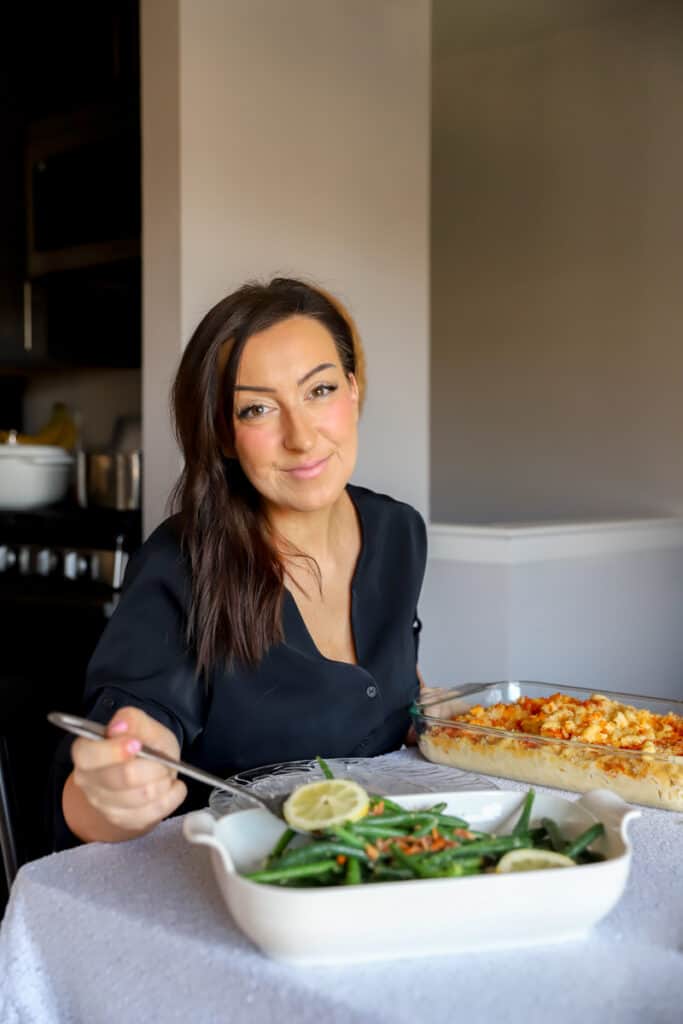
319	805
532	860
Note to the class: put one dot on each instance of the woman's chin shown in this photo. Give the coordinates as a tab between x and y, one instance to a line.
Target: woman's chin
311	495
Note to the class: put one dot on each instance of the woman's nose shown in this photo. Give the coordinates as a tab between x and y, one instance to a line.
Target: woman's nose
299	435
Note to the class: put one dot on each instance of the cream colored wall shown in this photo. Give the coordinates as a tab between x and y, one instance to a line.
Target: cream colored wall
161	283
303	134
557	348
99	396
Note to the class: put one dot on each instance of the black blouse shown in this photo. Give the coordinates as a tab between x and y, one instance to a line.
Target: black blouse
296	703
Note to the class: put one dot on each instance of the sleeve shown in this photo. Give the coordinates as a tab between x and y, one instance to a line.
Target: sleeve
142	659
419	544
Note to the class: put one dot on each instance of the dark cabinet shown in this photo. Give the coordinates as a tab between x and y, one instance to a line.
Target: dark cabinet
80	54
92	316
15	292
70	186
82	176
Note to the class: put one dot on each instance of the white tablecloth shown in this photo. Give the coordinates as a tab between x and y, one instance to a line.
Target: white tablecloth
138	932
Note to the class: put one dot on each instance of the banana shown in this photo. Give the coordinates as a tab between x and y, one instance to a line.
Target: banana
60	430
68	434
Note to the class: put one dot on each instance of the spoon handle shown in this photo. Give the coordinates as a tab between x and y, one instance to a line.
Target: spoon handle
94	731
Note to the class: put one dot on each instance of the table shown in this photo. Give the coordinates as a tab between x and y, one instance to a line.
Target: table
138	932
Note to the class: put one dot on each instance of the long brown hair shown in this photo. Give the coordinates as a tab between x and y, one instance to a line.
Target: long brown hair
237	577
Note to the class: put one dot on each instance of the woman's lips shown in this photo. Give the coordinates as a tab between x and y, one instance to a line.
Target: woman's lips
307	470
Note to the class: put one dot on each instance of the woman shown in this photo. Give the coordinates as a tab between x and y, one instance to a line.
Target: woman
274	616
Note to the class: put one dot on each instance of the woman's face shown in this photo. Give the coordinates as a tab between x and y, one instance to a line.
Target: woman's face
295	416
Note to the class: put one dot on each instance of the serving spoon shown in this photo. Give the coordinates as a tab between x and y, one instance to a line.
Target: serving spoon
94	731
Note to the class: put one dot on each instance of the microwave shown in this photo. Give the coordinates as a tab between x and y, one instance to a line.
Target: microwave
83	183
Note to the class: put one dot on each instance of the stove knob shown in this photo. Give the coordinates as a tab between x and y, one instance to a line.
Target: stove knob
24	561
71	564
46	562
8	558
76	565
94	566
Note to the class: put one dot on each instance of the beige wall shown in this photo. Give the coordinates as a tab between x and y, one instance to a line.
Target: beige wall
557	307
302	131
99	396
162	334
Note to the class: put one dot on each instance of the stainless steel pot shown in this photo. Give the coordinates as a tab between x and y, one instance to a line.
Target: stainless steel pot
109	479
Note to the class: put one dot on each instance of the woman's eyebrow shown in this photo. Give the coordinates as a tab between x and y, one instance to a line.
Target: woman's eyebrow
312	373
302	380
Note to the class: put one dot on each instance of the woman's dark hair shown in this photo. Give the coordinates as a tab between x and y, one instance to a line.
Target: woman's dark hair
237	576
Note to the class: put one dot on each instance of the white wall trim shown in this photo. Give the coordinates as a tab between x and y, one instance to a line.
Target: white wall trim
541	542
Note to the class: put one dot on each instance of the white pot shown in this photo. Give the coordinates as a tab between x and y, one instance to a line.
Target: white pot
32	475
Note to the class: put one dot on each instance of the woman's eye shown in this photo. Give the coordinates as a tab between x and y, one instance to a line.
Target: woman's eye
321	390
252	412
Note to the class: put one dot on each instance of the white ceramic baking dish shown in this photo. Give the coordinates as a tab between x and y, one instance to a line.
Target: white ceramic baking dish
430	916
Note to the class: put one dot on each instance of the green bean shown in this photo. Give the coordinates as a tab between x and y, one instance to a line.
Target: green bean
523	821
457	868
453	853
590	857
324	767
384	873
449	821
557	840
579	844
282	874
282	843
408	818
411	864
347	835
490	847
323	848
453	834
389	805
370	832
427	827
353	873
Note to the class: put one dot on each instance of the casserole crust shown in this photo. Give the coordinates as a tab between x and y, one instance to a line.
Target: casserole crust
570	743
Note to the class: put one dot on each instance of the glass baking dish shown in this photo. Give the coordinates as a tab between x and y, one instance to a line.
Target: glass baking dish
651	778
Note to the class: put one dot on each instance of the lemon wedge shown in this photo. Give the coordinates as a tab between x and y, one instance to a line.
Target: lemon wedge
532	860
318	805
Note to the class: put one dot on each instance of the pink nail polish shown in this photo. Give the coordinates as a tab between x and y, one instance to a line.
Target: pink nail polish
133	746
118	727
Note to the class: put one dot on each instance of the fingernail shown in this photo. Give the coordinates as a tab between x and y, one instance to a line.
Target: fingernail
133	746
118	727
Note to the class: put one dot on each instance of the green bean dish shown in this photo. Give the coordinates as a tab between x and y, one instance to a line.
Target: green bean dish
392	844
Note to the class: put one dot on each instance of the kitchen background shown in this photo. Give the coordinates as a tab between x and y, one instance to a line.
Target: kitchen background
70	339
493	189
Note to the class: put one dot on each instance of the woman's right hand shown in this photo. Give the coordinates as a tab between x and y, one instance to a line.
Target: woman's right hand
128	792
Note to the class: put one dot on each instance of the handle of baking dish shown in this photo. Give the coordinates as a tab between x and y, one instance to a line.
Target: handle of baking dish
609	808
200	827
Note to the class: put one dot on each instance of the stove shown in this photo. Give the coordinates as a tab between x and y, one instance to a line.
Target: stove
68	548
61	572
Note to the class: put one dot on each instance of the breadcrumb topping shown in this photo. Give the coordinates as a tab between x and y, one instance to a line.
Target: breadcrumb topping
595	720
